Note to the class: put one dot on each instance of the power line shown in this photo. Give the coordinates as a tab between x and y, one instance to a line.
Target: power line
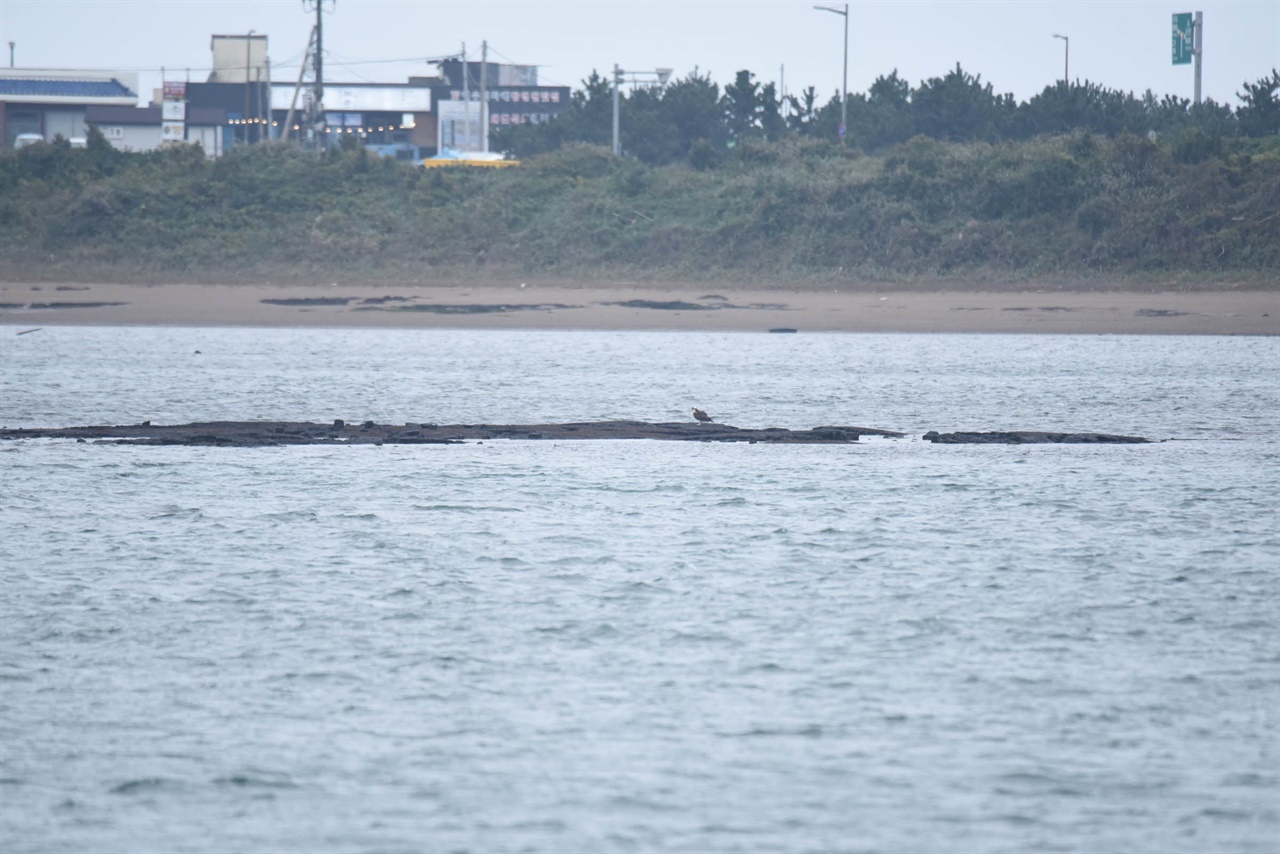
342	64
426	59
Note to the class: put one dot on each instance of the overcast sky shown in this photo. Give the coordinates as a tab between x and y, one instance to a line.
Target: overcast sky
1121	44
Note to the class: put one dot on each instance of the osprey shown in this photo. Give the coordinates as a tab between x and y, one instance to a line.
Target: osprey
700	415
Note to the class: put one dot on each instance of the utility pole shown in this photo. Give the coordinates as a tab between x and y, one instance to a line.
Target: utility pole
266	123
466	101
288	119
317	98
484	96
1066	59
11	44
244	117
1197	36
318	59
844	80
617	85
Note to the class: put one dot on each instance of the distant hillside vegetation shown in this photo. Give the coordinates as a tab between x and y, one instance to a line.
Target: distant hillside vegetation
1196	209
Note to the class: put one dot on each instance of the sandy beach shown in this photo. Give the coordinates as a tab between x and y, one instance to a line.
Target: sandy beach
633	306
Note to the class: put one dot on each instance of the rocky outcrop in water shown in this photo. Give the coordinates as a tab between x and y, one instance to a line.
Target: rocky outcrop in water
1031	437
340	431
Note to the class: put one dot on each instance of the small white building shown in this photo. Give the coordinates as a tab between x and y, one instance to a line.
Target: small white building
127	128
208	128
142	128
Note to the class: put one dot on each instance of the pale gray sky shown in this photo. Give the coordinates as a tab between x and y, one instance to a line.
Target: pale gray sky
1122	44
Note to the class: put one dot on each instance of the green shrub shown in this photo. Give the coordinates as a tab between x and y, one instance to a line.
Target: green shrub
703	155
573	161
1096	216
1194	145
796	210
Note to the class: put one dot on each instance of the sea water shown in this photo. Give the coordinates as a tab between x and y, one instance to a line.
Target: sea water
641	646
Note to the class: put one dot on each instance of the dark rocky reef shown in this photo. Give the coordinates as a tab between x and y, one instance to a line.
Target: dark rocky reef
257	434
271	433
1031	437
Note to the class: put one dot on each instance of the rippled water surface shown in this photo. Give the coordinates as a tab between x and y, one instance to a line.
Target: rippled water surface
641	646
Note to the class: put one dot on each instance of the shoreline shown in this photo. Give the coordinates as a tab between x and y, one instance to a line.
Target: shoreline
695	307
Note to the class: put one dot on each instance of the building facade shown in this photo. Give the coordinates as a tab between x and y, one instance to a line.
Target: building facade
473	98
48	102
390	118
239	104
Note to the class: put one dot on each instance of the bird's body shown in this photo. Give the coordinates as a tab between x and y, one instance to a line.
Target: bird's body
701	416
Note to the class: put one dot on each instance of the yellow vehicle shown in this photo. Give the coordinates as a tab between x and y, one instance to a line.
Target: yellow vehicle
449	157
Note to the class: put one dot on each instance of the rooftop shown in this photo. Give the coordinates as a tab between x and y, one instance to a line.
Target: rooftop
38	88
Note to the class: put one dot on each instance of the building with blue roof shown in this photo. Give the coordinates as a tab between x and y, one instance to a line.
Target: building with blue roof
49	102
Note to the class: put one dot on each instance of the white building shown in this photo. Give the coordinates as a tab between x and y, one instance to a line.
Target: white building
240	59
127	128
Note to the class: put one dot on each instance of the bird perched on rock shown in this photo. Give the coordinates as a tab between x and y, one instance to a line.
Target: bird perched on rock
701	416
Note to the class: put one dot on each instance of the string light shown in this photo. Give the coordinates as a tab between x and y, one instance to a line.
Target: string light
362	131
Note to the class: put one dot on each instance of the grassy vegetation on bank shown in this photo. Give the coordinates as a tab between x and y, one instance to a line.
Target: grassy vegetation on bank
1070	208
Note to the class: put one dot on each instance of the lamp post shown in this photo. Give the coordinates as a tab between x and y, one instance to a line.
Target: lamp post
1066	59
661	74
844	85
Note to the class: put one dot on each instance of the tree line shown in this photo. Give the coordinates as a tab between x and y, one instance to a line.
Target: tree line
693	119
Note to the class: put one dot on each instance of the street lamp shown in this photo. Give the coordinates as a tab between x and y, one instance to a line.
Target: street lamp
844	86
662	75
1066	59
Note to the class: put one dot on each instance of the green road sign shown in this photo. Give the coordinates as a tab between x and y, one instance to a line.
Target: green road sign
1182	39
